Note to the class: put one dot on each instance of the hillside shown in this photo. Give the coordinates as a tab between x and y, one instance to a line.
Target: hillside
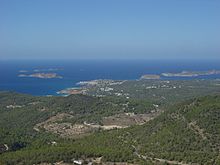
187	133
28	121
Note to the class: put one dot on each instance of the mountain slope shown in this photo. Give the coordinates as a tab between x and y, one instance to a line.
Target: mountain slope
187	133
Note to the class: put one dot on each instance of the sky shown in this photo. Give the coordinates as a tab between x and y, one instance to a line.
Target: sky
109	29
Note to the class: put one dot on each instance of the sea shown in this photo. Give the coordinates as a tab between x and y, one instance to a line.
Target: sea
74	71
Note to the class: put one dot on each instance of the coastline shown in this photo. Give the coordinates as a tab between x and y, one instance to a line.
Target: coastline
83	70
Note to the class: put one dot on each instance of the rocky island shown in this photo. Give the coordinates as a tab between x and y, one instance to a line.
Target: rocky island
41	75
192	73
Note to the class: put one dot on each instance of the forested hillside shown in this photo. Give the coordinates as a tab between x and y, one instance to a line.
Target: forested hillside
22	115
187	133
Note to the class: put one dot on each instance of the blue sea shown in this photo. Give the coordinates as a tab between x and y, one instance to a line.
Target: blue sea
74	71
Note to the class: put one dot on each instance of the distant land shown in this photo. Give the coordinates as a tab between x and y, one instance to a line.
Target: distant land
181	74
41	75
191	73
82	71
84	85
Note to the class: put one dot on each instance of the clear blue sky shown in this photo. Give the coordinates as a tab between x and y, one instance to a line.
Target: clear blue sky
109	29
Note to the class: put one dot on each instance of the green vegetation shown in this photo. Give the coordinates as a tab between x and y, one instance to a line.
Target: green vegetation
160	92
187	132
20	113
